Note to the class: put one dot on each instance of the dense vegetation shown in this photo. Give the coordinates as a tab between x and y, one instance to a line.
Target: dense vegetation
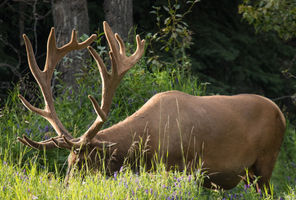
223	51
29	174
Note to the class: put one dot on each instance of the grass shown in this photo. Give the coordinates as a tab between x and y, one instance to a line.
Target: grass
32	183
29	174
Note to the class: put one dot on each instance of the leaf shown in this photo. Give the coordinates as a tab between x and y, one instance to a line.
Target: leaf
177	6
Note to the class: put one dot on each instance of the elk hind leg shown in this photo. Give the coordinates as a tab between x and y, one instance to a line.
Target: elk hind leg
263	169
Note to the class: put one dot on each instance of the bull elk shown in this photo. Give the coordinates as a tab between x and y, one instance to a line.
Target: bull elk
228	133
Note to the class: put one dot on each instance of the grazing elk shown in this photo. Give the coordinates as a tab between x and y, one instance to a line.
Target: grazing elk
228	133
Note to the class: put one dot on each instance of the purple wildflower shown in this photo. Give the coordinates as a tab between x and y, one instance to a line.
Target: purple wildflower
246	186
46	128
189	178
28	131
115	175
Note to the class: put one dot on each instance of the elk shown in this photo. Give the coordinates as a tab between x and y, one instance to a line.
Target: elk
228	133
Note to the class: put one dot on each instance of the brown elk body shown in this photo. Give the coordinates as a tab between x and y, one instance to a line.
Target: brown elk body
229	134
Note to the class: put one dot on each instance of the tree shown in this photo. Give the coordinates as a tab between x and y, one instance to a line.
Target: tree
69	14
271	15
119	15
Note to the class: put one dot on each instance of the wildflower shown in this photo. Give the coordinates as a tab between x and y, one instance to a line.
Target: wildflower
125	184
34	197
189	178
246	186
121	169
46	128
28	131
146	191
3	188
115	175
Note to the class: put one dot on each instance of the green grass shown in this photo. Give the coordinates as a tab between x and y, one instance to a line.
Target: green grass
30	174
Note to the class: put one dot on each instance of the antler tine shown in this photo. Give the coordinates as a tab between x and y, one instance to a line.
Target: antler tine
55	54
43	78
47	144
117	46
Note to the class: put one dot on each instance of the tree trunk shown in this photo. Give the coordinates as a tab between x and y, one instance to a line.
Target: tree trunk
69	15
119	15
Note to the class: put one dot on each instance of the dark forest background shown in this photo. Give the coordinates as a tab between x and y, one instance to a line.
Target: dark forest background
225	52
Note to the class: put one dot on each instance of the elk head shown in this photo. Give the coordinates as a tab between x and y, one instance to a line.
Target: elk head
83	149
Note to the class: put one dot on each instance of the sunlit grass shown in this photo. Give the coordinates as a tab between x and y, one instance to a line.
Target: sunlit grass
30	174
31	182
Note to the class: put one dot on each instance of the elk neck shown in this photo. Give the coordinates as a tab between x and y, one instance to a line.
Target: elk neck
125	133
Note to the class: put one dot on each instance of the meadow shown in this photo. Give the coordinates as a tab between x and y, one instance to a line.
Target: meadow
30	174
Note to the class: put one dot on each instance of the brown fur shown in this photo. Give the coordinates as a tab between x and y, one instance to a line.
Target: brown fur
228	133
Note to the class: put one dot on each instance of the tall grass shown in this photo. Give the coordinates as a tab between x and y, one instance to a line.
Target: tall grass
30	174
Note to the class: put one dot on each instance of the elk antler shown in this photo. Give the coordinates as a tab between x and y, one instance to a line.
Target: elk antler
120	64
43	78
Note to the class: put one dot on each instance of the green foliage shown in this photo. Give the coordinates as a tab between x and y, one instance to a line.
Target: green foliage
232	58
271	15
173	37
284	173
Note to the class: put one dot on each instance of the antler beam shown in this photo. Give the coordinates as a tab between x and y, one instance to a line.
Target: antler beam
120	64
